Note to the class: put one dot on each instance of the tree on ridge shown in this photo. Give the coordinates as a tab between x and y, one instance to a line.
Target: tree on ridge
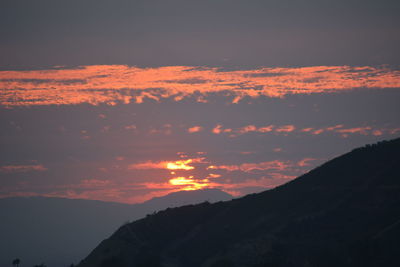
16	262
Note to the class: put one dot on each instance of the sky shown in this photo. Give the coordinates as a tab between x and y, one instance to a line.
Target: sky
128	100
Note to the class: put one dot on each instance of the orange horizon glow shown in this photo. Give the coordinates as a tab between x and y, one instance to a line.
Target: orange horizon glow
108	190
113	84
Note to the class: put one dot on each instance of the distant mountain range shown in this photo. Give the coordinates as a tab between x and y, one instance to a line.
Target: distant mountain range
59	231
343	213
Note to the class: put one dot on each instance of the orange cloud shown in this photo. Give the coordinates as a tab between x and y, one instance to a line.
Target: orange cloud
305	162
22	168
180	165
195	129
252	128
217	129
267	165
246	129
266	182
169	165
265	129
214	175
332	128
189	183
317	132
246	152
285	129
394	131
148	165
130	127
360	130
248	167
306	129
377	132
224	167
112	84
181	183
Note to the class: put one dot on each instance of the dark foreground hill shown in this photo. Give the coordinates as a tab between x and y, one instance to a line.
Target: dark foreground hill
343	213
59	231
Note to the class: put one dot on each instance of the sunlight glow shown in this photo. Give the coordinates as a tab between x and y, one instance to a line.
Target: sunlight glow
180	165
189	183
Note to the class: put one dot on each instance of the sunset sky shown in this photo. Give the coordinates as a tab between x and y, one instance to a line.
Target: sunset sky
127	100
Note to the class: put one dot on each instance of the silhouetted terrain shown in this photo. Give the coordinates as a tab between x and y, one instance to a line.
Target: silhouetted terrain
60	231
343	213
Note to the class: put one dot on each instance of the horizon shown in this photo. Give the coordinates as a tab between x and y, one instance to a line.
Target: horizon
175	193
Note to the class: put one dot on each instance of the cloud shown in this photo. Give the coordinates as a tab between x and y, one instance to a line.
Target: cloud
184	174
252	128
248	167
90	183
148	165
189	183
169	165
217	129
246	129
345	132
130	127
305	162
360	130
194	129
164	129
113	84
285	129
273	173
214	175
22	168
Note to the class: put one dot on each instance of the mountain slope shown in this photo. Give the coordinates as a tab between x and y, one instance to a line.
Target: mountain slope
343	213
60	231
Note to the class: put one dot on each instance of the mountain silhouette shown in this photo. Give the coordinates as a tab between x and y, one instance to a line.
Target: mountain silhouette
343	213
59	231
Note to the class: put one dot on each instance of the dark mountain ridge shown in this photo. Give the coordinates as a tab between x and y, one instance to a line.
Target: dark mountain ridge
343	213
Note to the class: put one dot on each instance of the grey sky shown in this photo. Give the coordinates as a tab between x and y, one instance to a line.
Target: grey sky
228	33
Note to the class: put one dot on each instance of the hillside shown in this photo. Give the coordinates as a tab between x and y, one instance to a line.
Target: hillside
343	213
60	231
